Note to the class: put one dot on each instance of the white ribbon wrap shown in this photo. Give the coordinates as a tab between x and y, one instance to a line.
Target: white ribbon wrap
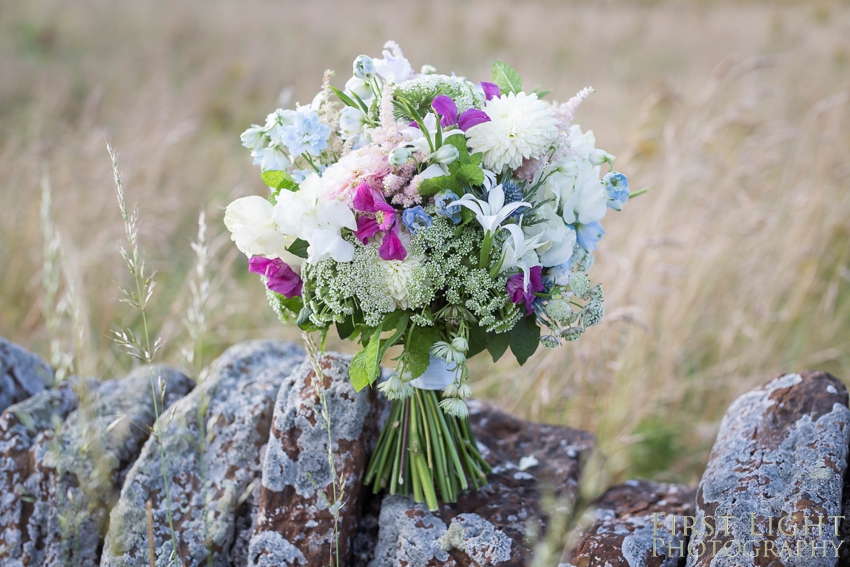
436	377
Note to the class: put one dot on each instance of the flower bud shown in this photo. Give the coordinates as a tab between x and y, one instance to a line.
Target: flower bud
464	392
569	168
351	122
359	87
459	343
364	67
428	69
445	155
598	157
399	156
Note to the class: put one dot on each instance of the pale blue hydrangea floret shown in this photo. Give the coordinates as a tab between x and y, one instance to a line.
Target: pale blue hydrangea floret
587	235
617	189
442	200
272	158
305	132
254	138
416	219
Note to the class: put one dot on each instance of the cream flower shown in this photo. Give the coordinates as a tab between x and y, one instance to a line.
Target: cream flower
399	277
253	229
520	126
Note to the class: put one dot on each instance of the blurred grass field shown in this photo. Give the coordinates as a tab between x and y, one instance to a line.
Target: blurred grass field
735	267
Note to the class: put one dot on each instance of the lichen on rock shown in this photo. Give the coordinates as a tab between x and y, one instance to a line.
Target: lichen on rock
212	442
22	374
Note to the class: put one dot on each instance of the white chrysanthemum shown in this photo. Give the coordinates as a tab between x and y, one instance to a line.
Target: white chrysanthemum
399	278
520	126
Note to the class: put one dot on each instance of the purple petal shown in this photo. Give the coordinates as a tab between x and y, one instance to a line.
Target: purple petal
392	248
518	295
259	265
472	117
491	90
445	107
279	276
536	279
364	199
366	228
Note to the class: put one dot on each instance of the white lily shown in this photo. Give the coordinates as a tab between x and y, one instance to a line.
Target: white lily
489	179
491	213
521	252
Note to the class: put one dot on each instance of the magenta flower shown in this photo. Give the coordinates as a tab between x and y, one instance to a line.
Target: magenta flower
491	90
280	278
516	288
376	215
447	109
472	117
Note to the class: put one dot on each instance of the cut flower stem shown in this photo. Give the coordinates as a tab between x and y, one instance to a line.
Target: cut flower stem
423	451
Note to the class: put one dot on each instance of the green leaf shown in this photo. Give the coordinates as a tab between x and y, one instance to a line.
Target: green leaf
418	349
277	179
458	141
540	92
294	303
344	97
304	323
397	321
345	328
497	345
298	248
366	364
470	174
524	338
434	185
477	340
507	79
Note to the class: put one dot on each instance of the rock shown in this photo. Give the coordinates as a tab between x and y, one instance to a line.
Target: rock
77	470
213	460
778	461
631	525
295	525
488	526
22	374
21	425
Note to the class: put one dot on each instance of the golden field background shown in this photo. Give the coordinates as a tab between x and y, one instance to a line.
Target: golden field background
735	267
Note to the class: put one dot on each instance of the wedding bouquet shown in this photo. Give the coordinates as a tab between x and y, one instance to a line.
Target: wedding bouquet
434	213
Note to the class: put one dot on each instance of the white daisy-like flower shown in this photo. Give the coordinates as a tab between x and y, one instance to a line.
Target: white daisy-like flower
399	277
521	126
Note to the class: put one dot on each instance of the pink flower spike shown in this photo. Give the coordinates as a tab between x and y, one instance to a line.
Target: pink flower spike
392	248
491	90
366	228
280	278
472	117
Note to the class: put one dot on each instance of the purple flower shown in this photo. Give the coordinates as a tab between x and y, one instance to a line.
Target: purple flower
378	216
280	278
472	117
447	109
491	90
517	292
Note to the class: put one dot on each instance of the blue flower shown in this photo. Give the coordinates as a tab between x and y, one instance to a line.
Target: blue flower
513	194
442	200
305	133
415	219
589	234
617	189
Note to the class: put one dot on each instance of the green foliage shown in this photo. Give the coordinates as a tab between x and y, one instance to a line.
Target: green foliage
507	79
366	364
464	172
279	180
524	338
298	248
418	348
497	345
